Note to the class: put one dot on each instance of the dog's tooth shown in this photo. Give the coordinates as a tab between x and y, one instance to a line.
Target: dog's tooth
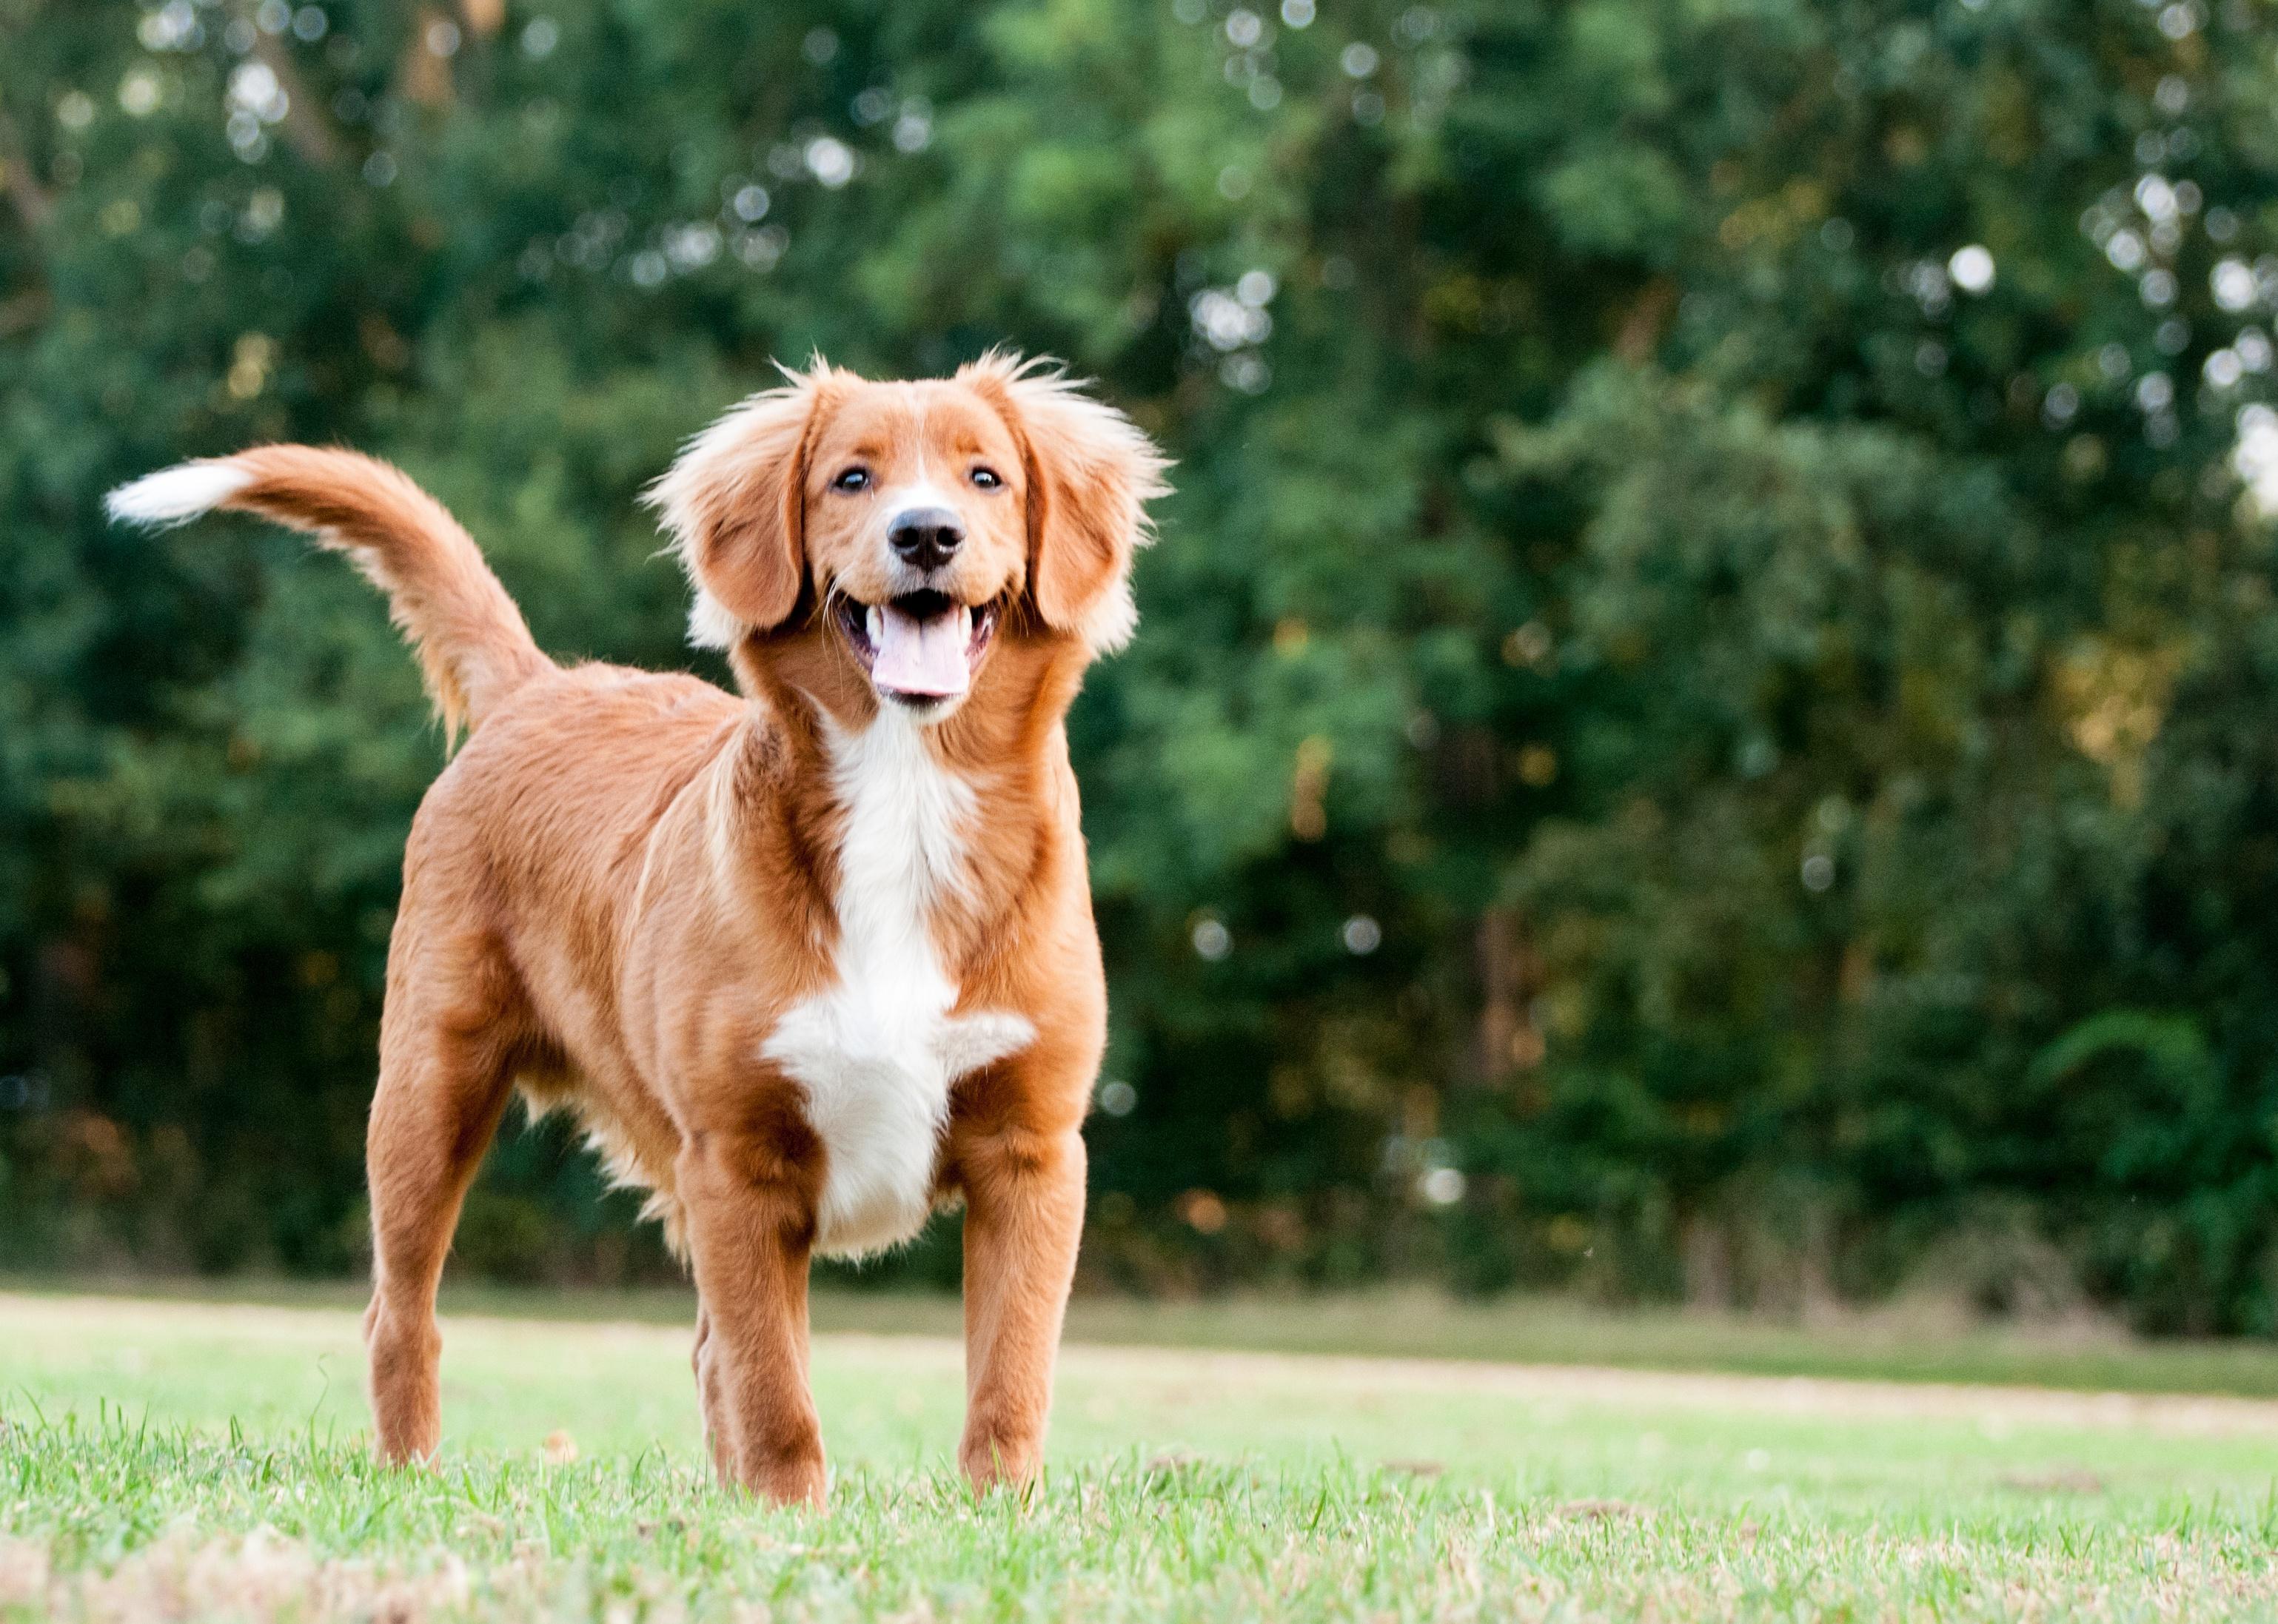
877	625
965	621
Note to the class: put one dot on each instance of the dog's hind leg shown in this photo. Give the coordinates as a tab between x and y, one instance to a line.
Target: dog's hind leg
444	1073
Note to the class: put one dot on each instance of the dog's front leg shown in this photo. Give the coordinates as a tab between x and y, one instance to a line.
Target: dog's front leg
751	1228
1024	1216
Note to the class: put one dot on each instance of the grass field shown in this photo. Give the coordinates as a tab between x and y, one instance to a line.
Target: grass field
1912	1340
186	1459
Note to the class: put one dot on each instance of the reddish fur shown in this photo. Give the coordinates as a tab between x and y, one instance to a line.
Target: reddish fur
740	500
474	648
624	878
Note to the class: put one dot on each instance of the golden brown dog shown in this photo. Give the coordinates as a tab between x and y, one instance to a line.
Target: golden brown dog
809	962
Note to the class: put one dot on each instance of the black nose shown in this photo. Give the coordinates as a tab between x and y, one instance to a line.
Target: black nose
925	537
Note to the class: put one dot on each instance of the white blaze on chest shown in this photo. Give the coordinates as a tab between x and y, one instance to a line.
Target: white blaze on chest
877	1053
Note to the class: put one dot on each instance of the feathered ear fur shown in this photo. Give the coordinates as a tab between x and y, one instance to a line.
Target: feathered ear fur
1090	474
734	505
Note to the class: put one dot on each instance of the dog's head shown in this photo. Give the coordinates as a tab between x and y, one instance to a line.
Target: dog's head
888	536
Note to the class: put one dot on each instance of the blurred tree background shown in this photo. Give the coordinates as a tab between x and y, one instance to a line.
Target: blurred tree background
1704	722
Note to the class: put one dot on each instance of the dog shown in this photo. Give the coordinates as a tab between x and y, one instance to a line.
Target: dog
809	961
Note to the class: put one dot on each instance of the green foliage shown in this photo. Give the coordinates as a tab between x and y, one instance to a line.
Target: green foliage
1708	634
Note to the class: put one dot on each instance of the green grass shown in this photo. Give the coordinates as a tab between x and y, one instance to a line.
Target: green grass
1913	1341
181	1460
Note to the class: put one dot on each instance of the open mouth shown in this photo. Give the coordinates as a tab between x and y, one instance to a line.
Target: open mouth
920	648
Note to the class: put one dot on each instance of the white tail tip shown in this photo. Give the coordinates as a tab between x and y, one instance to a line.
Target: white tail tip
177	495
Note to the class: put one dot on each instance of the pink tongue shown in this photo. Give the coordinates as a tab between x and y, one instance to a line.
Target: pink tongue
921	657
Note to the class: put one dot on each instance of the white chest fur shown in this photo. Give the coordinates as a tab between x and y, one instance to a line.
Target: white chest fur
877	1053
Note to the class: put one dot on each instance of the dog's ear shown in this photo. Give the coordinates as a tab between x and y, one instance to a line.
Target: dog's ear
734	505
1090	473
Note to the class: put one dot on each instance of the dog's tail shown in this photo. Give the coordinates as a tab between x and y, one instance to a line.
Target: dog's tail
473	644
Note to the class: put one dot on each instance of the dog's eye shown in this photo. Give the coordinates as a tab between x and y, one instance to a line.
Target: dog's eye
853	479
987	478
